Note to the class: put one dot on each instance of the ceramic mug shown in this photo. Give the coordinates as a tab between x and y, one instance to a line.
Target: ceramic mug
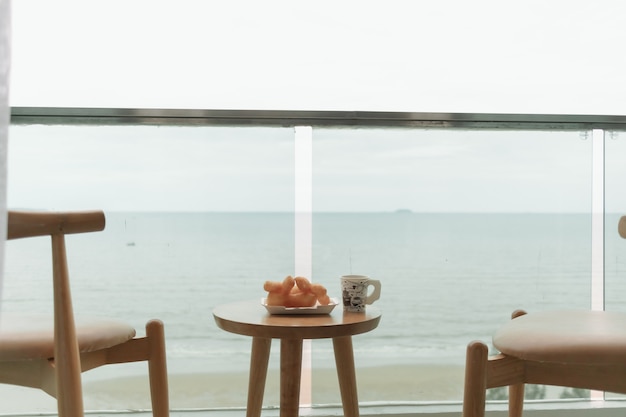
354	292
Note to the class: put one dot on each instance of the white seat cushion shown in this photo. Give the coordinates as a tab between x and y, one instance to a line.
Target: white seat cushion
567	336
31	336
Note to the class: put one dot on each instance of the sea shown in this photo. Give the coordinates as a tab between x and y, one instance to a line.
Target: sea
447	278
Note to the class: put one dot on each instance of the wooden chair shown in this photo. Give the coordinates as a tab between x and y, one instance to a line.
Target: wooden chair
49	353
578	349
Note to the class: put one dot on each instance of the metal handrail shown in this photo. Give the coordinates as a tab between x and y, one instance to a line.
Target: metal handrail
286	118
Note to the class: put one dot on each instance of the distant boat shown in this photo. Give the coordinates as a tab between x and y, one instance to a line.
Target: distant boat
130	244
404	211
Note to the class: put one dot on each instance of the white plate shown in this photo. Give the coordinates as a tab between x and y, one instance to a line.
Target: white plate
317	309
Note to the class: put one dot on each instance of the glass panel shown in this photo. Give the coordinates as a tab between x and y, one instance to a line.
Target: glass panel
462	228
195	217
615	246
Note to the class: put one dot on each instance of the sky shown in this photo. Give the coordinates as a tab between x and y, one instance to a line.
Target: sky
490	56
556	57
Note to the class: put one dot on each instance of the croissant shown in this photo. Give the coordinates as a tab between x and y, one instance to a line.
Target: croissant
295	292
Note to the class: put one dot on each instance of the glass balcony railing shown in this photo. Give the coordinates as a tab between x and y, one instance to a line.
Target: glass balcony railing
464	218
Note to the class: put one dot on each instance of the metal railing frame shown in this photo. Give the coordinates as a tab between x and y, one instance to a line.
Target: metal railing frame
345	119
285	118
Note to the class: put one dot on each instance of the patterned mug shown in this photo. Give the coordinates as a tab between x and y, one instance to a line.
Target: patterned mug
354	291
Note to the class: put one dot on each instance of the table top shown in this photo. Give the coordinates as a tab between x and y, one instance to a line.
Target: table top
251	318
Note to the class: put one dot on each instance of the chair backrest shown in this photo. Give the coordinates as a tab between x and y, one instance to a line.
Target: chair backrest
23	224
621	227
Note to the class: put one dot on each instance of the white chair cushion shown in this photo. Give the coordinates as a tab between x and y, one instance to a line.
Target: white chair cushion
31	336
567	336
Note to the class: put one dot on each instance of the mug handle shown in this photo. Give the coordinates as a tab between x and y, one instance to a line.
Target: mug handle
375	295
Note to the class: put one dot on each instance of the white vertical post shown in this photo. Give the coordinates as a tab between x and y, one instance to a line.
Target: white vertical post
597	229
304	235
597	220
5	28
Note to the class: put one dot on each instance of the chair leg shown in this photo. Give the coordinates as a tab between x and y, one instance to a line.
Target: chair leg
157	368
475	390
516	391
516	400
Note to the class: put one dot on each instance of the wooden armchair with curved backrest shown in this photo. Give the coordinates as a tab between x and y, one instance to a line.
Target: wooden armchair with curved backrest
50	351
578	349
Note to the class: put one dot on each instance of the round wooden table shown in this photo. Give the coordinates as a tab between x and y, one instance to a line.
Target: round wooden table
250	318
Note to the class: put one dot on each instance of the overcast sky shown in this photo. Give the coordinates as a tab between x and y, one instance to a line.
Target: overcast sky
423	56
558	56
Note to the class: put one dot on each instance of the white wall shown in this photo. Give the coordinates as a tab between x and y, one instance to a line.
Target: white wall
5	31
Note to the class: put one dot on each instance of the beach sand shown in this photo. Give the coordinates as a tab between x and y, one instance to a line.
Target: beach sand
211	390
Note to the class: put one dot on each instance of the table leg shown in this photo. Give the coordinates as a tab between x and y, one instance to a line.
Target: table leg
344	359
258	372
290	372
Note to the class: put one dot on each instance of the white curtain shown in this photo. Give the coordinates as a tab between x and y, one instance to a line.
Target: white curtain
5	41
